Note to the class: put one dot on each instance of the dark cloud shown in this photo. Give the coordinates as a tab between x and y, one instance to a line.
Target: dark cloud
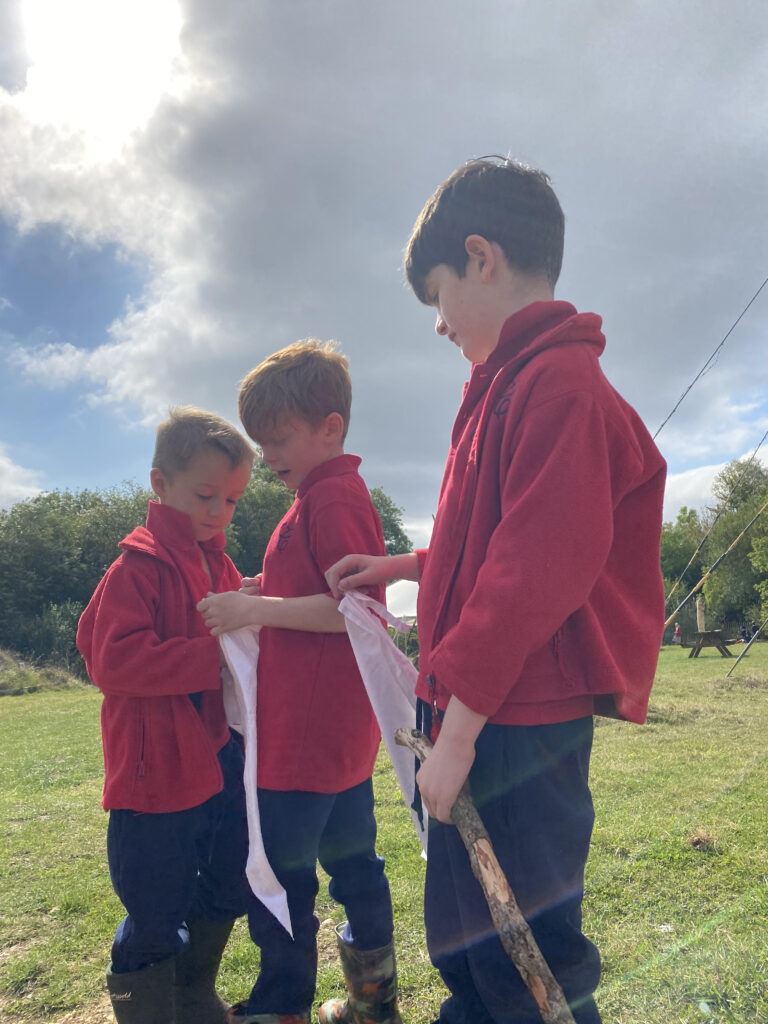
316	132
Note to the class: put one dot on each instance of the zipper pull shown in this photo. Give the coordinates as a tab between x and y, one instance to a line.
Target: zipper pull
434	731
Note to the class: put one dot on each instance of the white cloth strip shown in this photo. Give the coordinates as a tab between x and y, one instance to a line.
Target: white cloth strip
239	688
390	681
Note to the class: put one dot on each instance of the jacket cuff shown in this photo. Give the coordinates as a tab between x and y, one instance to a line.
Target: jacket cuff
421	557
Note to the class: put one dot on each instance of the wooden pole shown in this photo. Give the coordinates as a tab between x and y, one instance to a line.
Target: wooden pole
514	932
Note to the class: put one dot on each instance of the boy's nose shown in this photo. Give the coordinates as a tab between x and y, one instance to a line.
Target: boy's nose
441	326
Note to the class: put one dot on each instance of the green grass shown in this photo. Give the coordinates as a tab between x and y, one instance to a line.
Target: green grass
677	887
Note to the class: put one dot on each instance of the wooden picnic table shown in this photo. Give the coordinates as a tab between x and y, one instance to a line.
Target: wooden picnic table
711	638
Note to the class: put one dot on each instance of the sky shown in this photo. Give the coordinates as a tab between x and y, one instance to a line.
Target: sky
186	187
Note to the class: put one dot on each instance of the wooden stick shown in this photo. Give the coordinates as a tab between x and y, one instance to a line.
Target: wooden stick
513	929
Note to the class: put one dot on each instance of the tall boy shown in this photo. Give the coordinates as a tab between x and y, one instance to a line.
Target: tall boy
540	598
177	837
318	737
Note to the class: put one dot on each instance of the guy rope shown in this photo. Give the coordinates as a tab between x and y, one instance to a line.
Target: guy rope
752	639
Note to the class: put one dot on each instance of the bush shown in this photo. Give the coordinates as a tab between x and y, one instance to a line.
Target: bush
18	677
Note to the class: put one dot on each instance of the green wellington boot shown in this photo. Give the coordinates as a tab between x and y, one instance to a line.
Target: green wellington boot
145	996
197	1001
371	979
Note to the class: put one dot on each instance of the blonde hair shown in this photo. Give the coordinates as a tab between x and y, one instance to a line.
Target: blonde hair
308	380
187	431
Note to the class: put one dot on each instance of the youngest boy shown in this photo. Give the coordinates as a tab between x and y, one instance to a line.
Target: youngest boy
177	836
318	737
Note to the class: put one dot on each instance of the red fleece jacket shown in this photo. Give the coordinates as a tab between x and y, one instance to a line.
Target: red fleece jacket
317	731
147	649
541	597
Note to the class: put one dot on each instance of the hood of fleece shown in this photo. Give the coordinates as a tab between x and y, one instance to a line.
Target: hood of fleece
543	325
531	330
166	528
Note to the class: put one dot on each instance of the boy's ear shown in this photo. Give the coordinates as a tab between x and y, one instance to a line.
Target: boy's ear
333	424
157	482
481	251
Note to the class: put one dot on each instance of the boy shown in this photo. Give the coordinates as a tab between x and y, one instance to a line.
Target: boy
177	840
540	598
318	737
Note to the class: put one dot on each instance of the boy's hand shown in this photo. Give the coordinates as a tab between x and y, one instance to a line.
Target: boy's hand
251	585
225	612
446	769
353	571
441	777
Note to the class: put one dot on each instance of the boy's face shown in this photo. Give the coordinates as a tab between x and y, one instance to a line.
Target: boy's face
207	490
464	314
295	448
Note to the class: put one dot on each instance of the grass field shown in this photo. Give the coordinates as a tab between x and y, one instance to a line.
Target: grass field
677	886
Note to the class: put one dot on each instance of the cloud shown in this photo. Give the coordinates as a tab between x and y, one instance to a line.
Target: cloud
693	488
16	482
55	364
273	187
13	61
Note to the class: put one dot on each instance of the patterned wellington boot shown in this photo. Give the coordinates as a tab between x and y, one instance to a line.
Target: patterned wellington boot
371	979
238	1014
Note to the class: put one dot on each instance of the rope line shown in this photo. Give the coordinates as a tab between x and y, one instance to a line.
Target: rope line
706	365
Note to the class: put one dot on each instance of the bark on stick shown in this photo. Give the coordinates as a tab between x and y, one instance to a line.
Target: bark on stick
513	929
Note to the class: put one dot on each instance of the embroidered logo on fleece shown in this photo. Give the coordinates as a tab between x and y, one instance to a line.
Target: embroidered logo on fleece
286	532
502	406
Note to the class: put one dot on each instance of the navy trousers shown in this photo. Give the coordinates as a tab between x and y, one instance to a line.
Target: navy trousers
299	829
530	785
167	868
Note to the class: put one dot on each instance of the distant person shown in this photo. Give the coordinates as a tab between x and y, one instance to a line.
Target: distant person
753	627
318	737
677	636
745	635
541	600
177	840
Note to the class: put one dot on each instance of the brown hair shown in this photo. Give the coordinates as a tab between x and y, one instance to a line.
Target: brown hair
187	431
501	199
308	380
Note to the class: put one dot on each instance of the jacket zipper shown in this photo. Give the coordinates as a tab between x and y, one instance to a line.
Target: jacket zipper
142	766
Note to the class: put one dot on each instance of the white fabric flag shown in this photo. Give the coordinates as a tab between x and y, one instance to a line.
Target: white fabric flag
390	680
239	685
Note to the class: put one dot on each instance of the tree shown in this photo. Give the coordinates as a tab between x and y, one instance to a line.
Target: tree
732	590
258	512
53	551
55	548
679	540
740	483
759	558
396	540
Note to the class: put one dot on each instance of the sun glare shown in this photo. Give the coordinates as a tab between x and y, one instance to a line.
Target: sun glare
98	67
